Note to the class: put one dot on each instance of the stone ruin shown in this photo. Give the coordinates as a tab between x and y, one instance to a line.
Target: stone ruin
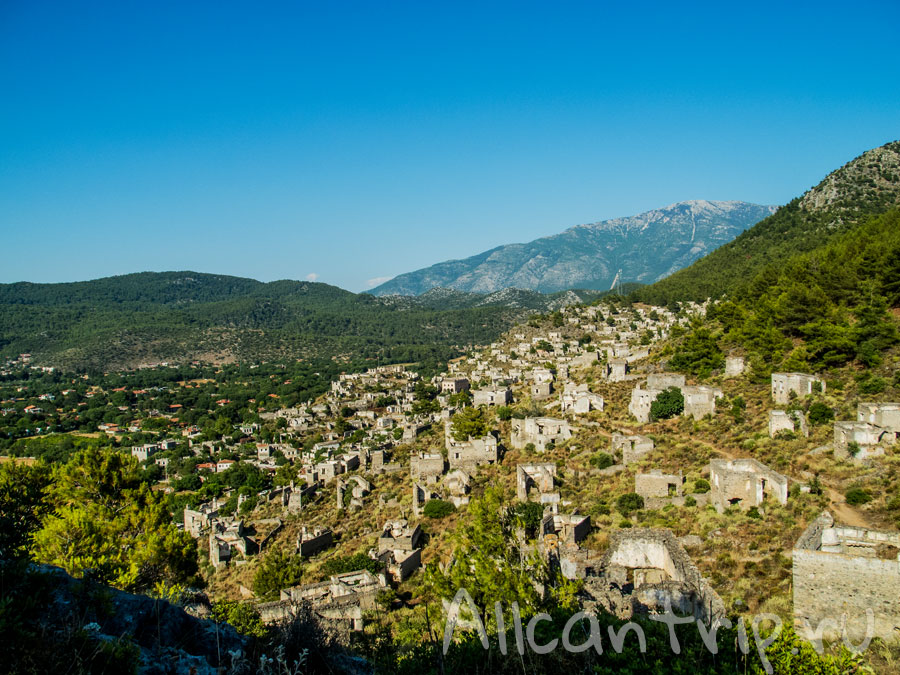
492	397
541	431
787	420
658	488
356	487
800	384
745	482
840	570
398	549
867	437
311	541
457	484
646	571
734	366
426	467
537	478
471	453
630	448
421	494
616	370
579	399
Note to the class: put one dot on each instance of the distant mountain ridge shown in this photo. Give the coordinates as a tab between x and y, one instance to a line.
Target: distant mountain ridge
641	248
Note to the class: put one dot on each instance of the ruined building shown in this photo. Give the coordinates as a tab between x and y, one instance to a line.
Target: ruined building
630	448
537	479
541	431
645	571
745	482
800	384
840	570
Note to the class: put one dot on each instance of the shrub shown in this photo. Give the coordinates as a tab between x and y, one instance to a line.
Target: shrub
701	486
754	513
668	403
856	496
819	413
278	569
630	501
690	501
438	508
530	515
602	460
351	563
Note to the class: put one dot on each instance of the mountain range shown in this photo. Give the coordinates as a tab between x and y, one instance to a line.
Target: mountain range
642	248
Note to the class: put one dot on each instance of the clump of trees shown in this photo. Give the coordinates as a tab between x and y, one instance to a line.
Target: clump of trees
668	403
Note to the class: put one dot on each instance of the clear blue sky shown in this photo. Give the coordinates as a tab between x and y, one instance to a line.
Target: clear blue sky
351	141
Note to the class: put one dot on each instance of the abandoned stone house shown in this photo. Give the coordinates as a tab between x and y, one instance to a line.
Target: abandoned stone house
616	370
198	521
540	390
641	400
473	452
457	484
497	396
800	384
426	467
536	480
792	421
454	385
646	571
744	482
559	534
541	431
421	495
734	366
399	535
660	381
883	415
860	440
843	571
630	448
658	485
700	401
227	537
579	399
342	599
350	493
311	541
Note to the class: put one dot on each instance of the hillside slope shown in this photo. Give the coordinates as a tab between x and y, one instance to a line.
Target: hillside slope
144	318
867	186
640	248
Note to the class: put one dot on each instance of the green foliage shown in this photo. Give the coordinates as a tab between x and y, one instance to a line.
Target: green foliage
504	413
470	422
437	509
698	353
22	506
242	616
857	496
628	502
819	413
529	516
279	569
668	403
701	486
690	501
602	460
351	563
106	520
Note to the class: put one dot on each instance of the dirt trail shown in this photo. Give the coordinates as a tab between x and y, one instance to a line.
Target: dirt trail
843	513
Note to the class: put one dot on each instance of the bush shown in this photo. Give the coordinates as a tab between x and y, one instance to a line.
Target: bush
701	486
630	501
351	563
530	514
602	460
857	496
504	412
754	513
690	501
668	403
819	414
438	508
278	569
242	616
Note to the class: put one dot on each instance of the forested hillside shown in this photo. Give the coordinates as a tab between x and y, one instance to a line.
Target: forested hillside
176	316
867	186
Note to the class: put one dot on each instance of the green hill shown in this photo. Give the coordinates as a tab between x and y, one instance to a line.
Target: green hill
146	318
867	186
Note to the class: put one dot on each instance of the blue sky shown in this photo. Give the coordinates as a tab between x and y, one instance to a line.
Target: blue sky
346	142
